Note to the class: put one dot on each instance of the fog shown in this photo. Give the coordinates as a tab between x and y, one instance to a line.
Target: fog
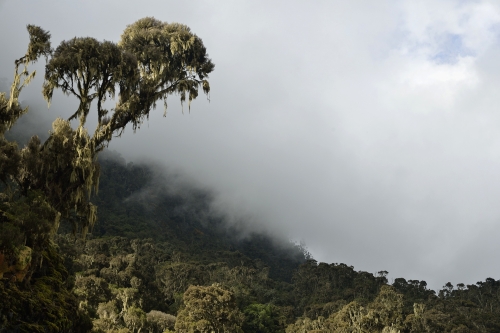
369	130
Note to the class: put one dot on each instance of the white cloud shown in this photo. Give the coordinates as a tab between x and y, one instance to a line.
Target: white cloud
445	30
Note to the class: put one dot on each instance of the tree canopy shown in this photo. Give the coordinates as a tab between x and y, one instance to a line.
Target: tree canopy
45	182
152	60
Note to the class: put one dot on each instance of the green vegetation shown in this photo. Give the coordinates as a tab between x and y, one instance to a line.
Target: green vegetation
47	182
159	259
150	274
209	309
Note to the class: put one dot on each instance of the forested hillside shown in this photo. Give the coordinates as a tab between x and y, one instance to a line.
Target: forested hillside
156	248
137	200
152	243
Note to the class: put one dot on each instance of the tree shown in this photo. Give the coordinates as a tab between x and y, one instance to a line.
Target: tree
262	318
46	182
159	321
209	309
386	311
153	60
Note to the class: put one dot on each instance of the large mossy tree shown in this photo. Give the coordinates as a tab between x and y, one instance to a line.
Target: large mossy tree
47	182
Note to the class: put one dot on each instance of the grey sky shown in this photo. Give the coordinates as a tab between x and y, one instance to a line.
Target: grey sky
371	130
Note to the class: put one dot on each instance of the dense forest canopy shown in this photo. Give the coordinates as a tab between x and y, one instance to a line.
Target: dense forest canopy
164	262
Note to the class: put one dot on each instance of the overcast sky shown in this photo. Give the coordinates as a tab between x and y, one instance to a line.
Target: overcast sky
368	129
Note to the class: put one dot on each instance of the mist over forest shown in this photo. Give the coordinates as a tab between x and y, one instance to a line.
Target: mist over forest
258	167
160	235
380	131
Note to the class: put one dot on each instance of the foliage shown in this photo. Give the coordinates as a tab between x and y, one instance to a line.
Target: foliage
160	321
26	221
47	306
263	318
384	314
209	309
120	273
323	283
45	182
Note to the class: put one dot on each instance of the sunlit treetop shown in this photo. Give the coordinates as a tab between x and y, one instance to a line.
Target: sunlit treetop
171	58
152	60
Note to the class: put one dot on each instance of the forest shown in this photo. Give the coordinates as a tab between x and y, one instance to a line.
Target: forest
92	243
